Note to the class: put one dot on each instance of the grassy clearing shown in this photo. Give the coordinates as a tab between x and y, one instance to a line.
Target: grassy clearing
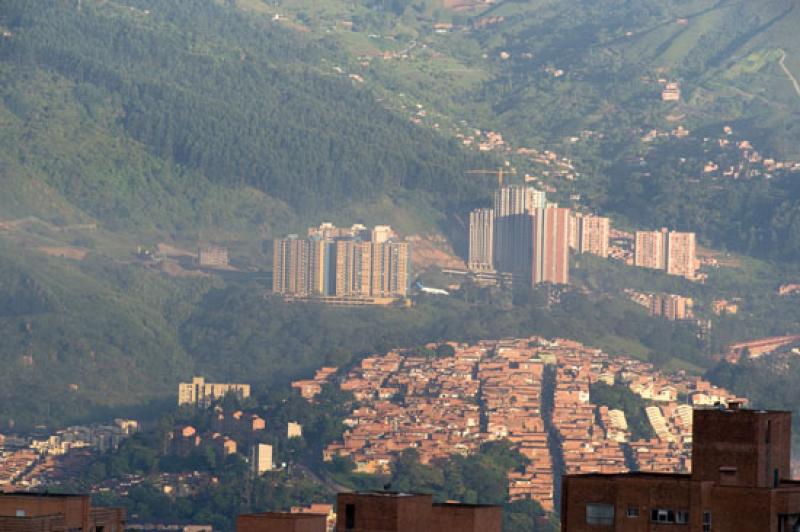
618	345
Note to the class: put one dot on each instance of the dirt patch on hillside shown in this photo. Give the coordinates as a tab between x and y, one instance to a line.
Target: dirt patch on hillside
172	251
433	251
64	252
720	258
461	5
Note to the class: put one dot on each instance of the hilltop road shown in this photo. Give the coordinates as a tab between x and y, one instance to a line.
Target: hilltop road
788	72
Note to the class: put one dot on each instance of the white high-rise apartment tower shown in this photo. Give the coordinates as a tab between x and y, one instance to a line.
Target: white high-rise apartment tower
481	240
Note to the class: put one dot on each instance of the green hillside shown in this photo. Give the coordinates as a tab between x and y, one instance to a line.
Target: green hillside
78	336
584	80
131	123
165	111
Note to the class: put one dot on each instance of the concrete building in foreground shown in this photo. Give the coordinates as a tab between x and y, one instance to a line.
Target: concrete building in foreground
740	482
382	511
410	512
202	393
44	512
281	522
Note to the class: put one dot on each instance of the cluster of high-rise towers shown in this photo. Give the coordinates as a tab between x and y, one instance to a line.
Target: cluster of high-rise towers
529	237
352	265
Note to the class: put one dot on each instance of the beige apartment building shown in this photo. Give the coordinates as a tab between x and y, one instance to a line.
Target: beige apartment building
671	251
649	249
671	306
291	261
202	393
343	265
590	234
681	254
261	458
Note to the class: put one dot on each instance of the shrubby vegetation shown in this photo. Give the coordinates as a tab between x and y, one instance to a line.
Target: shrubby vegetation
480	478
619	396
476	479
149	454
768	382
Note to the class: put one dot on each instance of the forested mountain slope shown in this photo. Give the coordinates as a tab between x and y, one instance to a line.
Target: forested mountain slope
610	53
233	121
213	98
77	336
148	121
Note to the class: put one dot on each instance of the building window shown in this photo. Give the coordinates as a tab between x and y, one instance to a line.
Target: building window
661	515
349	516
706	521
20	513
633	511
599	514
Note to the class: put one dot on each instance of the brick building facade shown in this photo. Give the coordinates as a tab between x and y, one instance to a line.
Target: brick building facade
740	481
41	512
281	522
383	512
409	512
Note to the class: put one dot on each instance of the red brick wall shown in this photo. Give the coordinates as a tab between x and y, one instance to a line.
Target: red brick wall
385	512
740	509
281	522
32	524
446	517
108	518
74	508
737	439
645	493
732	508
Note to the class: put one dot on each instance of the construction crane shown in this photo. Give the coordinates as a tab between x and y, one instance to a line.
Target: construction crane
500	173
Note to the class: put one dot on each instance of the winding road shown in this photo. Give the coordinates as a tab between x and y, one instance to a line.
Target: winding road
788	72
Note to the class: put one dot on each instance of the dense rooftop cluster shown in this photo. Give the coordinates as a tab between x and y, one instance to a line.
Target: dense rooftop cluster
534	392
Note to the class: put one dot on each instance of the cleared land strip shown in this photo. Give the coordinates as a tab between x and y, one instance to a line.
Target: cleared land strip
788	73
